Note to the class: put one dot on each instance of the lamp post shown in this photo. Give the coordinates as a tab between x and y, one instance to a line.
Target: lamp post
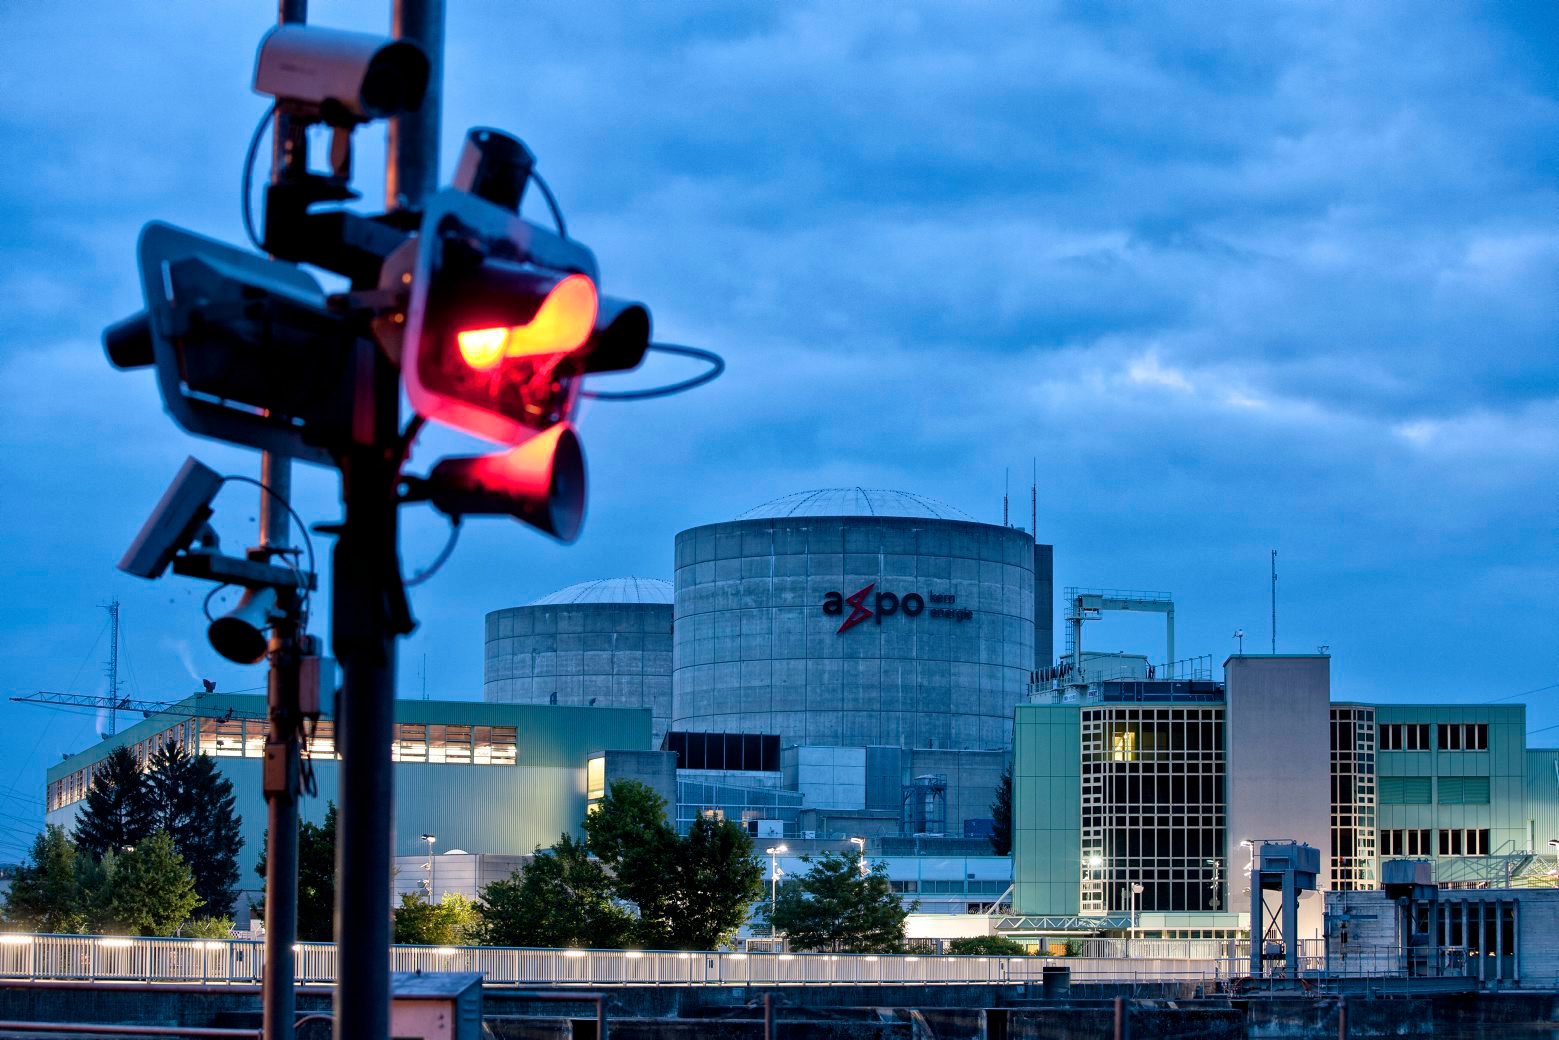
774	876
1553	843
430	839
860	847
1136	890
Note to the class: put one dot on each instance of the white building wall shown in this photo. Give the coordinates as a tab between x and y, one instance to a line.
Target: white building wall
1278	747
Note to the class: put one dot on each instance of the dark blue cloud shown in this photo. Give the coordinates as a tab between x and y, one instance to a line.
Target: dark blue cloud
1275	275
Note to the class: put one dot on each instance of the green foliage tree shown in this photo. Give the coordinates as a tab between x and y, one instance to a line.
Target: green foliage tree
194	803
987	946
208	926
689	892
834	908
45	895
95	883
717	881
562	899
153	891
316	878
114	814
448	922
1001	814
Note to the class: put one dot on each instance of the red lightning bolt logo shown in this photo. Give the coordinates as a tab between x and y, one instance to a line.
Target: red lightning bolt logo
858	612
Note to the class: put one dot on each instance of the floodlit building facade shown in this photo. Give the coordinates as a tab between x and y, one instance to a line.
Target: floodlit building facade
1139	802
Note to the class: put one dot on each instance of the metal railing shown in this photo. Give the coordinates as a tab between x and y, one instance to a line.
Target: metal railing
242	961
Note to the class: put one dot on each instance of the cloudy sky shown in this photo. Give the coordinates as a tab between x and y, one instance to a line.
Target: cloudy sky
1239	277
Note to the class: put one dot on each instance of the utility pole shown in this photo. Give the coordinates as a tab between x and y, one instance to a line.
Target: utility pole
368	603
281	777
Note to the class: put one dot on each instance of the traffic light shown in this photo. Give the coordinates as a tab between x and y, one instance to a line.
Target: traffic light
503	319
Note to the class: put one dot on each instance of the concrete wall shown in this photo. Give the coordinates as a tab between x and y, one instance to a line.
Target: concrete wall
618	655
1278	747
754	651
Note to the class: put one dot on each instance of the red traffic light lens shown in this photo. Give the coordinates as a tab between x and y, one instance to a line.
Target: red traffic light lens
561	325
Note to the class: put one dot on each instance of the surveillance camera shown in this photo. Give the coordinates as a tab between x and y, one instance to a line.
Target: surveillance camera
178	522
340	78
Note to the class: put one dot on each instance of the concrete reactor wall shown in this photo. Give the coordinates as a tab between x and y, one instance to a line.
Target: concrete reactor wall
855	630
615	655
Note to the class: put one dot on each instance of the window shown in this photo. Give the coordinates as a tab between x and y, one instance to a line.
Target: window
1404	736
595	779
1464	842
1409	842
1464	790
1463	736
1404	790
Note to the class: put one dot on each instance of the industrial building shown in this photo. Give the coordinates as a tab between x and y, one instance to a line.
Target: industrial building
486	778
1138	803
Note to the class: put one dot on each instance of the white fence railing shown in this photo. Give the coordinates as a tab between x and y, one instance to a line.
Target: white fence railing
97	958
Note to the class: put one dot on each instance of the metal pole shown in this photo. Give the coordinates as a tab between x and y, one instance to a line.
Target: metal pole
1122	1020
412	172
1274	601
280	781
1342	1018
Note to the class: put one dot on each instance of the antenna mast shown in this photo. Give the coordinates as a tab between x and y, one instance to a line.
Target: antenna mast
113	667
1274	601
1006	485
1034	502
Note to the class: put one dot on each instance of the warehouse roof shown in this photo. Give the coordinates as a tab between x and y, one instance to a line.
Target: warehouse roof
855	501
611	590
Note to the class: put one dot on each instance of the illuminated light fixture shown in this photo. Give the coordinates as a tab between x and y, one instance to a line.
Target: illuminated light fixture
736	956
573	953
684	956
562	324
12	939
115	942
908	959
870	958
787	956
634	955
213	944
446	951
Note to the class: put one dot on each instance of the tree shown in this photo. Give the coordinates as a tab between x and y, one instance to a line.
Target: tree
207	926
562	899
834	908
95	882
114	815
45	895
446	923
316	878
1001	814
987	945
153	889
631	835
194	803
718	880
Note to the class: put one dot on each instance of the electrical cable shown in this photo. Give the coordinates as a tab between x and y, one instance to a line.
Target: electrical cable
205	608
302	528
552	203
433	568
248	179
716	366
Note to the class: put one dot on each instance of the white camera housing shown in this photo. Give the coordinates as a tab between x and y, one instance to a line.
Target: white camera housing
338	77
178	522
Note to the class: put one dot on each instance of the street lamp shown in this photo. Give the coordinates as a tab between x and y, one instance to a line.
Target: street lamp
774	876
1553	843
1136	890
860	846
430	839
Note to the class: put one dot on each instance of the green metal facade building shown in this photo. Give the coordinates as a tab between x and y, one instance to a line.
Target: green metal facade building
1455	784
488	778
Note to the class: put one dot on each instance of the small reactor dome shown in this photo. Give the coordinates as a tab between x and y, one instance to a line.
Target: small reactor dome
856	501
853	616
605	643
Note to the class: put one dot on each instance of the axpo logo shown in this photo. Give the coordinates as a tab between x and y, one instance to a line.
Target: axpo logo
886	604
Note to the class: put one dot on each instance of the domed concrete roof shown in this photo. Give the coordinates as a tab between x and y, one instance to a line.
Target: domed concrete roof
611	590
855	501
